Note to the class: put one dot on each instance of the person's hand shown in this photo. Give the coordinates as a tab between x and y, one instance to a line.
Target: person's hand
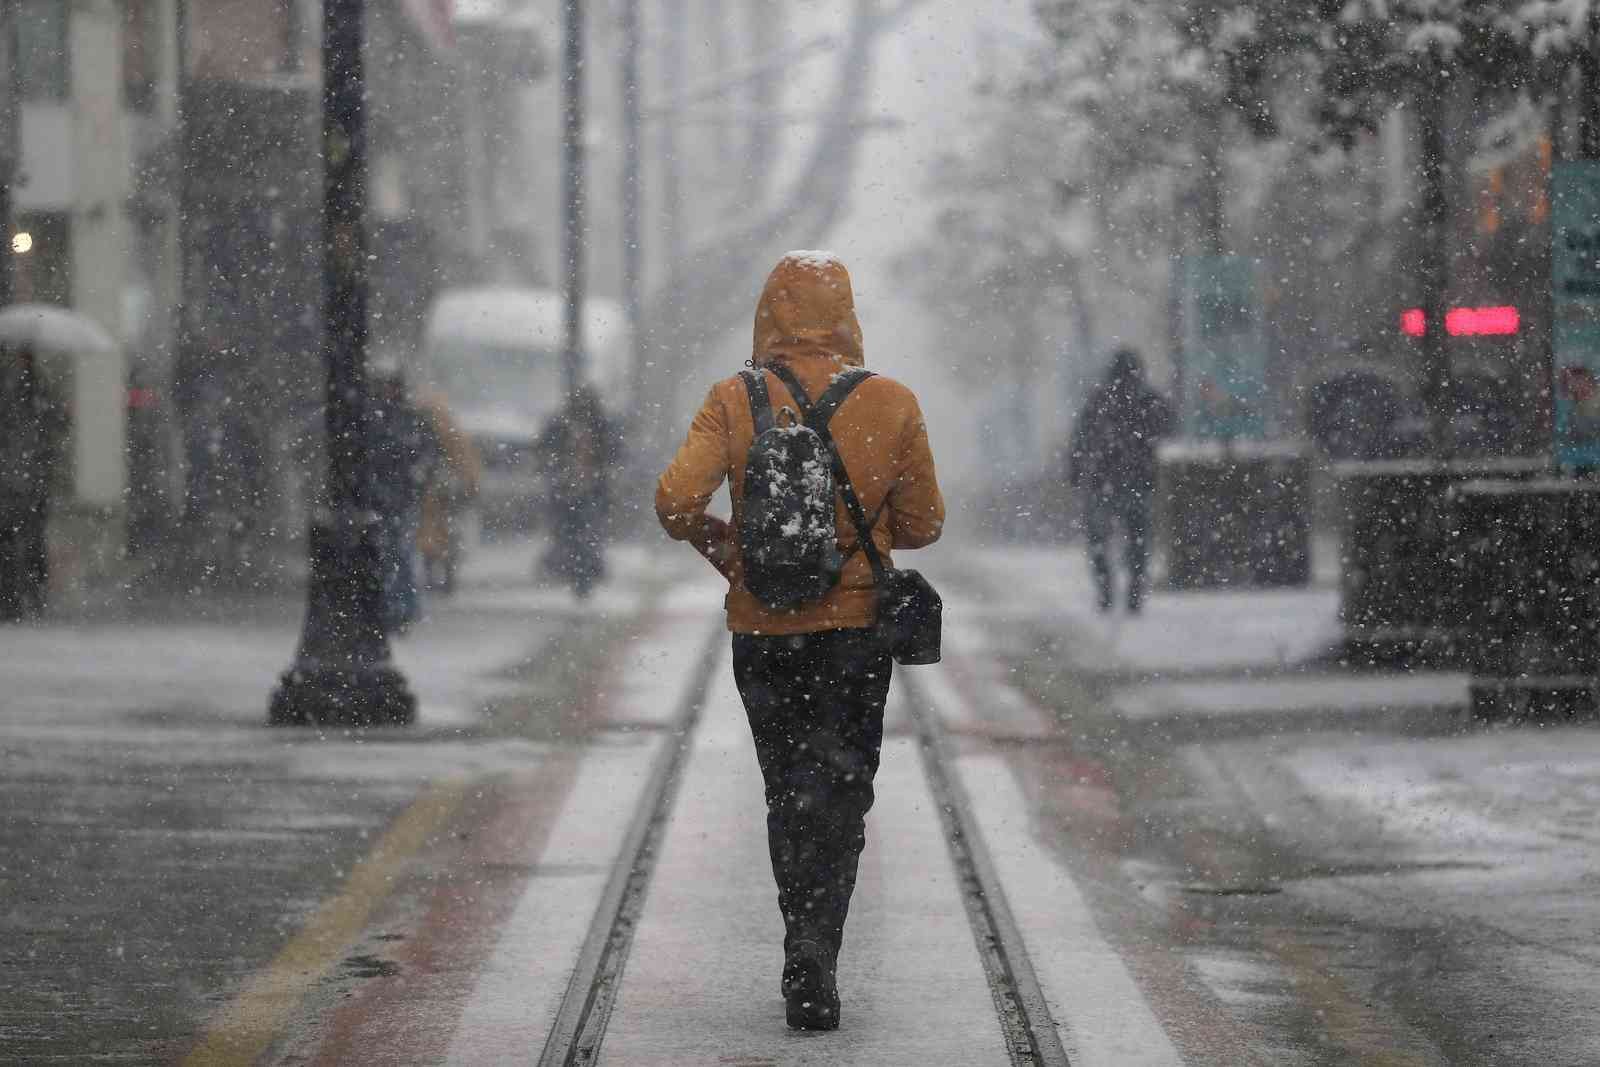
715	543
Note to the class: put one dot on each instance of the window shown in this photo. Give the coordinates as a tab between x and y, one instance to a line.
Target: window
43	274
43	59
141	53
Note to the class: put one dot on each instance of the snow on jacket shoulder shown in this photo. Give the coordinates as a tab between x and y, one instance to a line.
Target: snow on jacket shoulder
806	319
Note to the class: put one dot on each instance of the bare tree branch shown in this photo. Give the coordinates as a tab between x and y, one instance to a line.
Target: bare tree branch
713	290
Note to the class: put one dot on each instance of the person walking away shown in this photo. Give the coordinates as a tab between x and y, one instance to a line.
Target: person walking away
581	448
34	425
813	677
1113	468
200	393
448	493
404	456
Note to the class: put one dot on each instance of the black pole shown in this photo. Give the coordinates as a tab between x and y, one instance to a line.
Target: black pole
632	251
1212	211
672	75
1589	92
10	141
572	190
343	672
1435	217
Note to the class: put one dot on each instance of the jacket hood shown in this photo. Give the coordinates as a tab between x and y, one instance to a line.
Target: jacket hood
1126	368
807	308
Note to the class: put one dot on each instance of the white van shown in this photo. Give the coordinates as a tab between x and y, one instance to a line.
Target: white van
495	353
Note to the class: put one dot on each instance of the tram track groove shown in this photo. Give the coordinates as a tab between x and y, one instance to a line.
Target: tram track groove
591	994
1025	1020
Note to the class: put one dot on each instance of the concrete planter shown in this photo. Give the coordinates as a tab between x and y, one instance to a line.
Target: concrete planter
1400	588
1530	593
1235	514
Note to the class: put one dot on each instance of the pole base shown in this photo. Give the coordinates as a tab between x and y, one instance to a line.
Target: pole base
330	696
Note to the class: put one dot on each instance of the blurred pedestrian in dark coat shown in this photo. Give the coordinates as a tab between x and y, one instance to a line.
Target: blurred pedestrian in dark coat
32	430
581	447
404	455
1113	467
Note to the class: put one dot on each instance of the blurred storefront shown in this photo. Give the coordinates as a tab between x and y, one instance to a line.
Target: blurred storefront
89	229
83	233
167	187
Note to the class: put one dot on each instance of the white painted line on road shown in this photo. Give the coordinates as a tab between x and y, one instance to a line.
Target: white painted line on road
519	991
655	671
702	983
708	592
518	995
1101	1013
954	711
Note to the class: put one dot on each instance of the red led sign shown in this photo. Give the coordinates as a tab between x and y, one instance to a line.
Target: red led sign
1482	322
1466	322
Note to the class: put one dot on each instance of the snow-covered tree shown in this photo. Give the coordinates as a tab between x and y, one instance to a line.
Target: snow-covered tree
1107	154
1368	58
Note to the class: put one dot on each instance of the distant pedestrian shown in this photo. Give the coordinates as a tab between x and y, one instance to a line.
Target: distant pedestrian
32	429
1113	467
581	448
405	453
448	493
200	393
813	676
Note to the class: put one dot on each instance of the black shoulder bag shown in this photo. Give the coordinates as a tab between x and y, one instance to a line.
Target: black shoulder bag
910	611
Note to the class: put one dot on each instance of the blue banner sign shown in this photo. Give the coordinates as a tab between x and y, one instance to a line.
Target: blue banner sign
1575	304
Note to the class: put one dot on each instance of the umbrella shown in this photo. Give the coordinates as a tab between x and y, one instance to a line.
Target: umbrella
48	328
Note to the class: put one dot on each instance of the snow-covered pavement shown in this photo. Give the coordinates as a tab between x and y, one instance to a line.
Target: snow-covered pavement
1439	870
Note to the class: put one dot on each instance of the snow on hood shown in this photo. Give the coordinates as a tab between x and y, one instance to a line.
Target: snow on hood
808	308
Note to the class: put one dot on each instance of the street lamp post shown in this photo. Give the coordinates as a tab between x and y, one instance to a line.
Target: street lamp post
1589	88
572	190
343	672
10	138
632	252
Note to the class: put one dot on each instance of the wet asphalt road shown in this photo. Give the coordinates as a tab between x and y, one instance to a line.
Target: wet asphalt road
159	843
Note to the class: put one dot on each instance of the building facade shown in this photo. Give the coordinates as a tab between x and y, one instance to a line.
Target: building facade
85	231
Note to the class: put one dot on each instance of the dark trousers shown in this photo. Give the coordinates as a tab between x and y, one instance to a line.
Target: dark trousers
815	704
1103	512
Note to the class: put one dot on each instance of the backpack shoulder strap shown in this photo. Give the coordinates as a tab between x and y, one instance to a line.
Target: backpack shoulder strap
817	418
755	386
841	387
796	390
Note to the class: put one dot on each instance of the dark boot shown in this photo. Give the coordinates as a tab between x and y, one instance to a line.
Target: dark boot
810	992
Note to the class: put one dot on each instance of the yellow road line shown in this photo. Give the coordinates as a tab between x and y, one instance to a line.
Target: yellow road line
1369	1033
243	1032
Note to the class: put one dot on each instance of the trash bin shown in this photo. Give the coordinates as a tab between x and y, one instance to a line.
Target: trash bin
1235	513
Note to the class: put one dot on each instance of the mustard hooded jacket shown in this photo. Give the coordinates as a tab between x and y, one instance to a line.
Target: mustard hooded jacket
806	319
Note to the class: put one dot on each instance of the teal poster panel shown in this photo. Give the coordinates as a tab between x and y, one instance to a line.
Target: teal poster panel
1225	366
1575	304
